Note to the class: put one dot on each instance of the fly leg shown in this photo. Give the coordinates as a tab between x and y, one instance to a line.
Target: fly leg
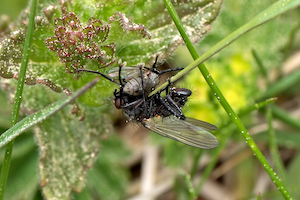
95	72
143	86
170	101
121	84
148	115
153	69
170	104
175	111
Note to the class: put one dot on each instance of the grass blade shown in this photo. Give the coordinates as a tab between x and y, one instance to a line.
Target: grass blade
271	12
39	116
286	117
224	138
273	142
282	85
18	97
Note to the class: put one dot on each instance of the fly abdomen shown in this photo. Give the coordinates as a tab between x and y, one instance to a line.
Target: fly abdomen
133	87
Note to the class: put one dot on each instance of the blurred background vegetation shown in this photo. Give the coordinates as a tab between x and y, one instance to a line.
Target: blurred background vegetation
263	63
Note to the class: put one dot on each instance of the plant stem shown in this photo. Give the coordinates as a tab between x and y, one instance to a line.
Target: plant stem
261	67
286	117
281	85
274	146
224	138
274	10
212	84
189	184
41	115
273	142
18	98
195	162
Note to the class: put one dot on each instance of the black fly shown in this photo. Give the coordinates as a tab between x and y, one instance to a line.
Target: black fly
162	115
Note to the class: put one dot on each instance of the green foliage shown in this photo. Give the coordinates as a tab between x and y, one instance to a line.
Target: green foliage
108	178
262	17
69	144
23	169
74	35
293	176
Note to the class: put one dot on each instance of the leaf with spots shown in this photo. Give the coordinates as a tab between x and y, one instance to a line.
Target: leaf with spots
65	159
196	17
70	35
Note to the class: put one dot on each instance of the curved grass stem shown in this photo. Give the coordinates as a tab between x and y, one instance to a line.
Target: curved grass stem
224	138
271	12
18	98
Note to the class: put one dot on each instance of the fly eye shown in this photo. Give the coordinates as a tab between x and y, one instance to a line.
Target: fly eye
119	103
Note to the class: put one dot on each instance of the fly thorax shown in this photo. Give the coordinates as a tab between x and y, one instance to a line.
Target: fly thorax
151	80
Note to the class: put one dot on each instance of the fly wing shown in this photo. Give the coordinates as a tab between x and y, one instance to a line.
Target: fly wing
127	72
191	131
205	125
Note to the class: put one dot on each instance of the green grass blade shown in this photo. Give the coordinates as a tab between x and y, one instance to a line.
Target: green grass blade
285	139
273	142
274	10
180	28
261	67
282	85
189	184
257	106
215	156
285	117
271	12
39	116
18	97
224	138
197	157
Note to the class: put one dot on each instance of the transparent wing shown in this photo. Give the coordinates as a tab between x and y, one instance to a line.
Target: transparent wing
128	72
205	125
190	131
